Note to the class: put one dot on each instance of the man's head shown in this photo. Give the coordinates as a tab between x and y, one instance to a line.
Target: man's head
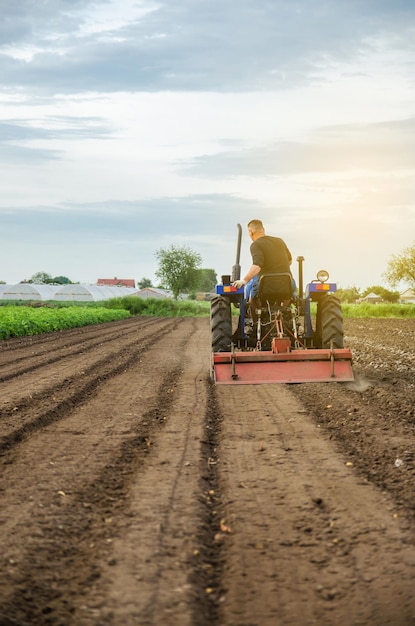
255	229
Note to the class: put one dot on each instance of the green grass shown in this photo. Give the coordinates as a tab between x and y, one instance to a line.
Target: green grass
158	307
366	310
186	308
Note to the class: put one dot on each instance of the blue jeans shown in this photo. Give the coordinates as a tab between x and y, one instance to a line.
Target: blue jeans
251	288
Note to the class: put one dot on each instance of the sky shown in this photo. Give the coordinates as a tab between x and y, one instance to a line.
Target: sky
128	126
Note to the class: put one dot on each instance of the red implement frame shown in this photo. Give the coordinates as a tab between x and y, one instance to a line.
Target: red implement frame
298	366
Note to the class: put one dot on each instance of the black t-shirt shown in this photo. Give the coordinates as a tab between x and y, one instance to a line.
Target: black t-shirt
271	254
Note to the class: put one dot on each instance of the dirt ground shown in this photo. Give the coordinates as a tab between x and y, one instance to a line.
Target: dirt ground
135	493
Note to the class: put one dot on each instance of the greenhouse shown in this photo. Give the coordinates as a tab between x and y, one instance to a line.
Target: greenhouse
63	293
29	291
90	293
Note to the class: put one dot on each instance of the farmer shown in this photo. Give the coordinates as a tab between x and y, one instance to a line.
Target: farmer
270	255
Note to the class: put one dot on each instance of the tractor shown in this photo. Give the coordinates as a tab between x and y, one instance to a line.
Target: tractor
297	335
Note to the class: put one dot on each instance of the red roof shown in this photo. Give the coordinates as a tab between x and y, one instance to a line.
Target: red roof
125	282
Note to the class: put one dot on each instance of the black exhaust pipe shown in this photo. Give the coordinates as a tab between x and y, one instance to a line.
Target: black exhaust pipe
236	269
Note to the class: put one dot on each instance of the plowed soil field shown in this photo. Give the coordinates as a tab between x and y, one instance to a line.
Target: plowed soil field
133	492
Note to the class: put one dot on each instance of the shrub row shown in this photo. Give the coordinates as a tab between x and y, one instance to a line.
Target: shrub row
160	307
18	321
365	309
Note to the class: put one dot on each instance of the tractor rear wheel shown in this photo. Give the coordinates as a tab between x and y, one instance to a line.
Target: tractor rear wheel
221	324
329	323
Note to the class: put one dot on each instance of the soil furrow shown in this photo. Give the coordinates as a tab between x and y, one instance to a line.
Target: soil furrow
59	399
89	522
54	340
43	358
34	387
148	582
299	517
206	576
365	429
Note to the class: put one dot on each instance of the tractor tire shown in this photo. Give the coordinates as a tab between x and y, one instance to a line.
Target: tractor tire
329	323
221	324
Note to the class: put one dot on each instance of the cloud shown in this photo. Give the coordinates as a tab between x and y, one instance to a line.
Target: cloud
18	138
194	217
386	146
116	237
216	45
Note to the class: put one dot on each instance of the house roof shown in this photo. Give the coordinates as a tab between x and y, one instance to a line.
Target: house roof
153	292
408	293
126	282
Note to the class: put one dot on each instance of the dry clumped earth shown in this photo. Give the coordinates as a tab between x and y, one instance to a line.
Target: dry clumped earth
134	492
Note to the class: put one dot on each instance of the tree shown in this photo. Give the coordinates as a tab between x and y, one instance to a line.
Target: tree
40	278
402	267
61	280
178	267
144	282
385	294
43	278
206	280
349	294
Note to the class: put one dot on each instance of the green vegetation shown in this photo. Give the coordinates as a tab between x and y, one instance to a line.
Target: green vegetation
402	267
54	304
385	294
190	308
160	307
206	280
19	321
365	309
179	270
353	294
178	267
43	278
348	294
144	282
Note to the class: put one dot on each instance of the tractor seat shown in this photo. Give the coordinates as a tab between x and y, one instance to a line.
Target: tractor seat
275	290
